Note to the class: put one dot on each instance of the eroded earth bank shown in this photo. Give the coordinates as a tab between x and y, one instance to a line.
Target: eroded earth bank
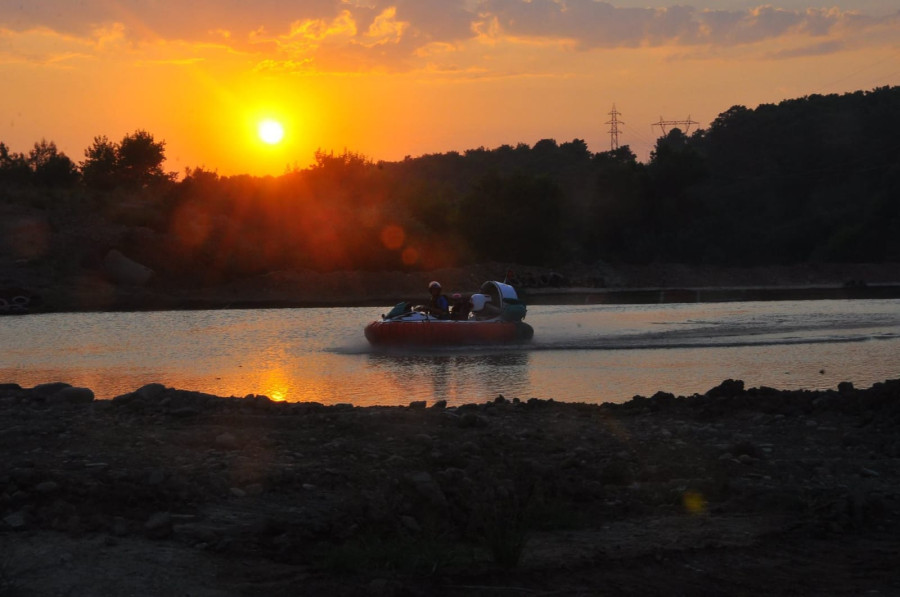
170	492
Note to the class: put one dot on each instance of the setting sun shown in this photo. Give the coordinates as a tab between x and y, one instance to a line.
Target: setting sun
271	132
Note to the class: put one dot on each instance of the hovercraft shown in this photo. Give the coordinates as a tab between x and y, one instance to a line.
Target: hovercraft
492	316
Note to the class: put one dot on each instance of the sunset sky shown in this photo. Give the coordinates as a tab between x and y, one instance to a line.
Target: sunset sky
391	78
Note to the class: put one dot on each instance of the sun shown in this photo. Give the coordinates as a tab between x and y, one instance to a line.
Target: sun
270	131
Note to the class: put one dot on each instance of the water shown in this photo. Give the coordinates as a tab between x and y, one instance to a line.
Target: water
597	353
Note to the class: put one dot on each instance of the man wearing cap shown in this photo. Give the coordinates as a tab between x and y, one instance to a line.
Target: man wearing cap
439	306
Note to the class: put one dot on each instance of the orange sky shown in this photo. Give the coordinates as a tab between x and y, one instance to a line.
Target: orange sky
410	77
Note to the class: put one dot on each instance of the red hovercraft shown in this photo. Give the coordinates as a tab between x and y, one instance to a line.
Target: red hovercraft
492	316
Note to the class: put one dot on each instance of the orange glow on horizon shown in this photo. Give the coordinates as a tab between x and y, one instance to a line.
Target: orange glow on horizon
385	84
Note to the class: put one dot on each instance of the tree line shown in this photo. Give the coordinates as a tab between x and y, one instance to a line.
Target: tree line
809	179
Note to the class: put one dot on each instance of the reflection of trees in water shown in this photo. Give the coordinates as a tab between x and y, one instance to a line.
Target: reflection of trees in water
454	377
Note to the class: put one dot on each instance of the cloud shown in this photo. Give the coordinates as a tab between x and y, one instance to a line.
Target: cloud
821	49
357	35
592	24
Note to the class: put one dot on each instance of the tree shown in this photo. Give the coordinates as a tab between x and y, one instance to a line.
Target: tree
515	219
139	160
13	166
51	167
99	169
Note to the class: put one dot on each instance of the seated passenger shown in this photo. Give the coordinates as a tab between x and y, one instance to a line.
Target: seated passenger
459	307
439	306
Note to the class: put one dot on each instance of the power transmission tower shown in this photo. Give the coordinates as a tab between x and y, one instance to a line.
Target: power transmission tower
614	123
662	124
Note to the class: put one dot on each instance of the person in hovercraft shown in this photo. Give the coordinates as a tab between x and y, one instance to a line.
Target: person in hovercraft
460	306
438	306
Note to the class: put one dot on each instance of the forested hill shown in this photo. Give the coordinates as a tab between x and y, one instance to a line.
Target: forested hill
810	179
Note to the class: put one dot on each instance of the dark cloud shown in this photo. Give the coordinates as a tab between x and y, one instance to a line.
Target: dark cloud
162	18
594	24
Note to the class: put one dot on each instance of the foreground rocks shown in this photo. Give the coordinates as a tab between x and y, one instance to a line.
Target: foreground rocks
163	491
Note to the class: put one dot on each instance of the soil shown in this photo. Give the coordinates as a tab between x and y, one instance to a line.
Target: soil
171	492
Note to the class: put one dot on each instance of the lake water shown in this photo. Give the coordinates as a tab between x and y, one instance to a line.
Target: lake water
596	353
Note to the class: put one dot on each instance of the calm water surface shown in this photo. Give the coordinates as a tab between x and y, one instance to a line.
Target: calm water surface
589	354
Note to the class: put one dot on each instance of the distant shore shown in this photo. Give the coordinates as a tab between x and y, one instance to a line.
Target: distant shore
597	284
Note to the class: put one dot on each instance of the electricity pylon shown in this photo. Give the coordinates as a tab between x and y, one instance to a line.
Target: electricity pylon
614	123
662	124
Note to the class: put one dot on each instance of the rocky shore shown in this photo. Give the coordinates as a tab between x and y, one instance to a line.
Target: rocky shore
171	492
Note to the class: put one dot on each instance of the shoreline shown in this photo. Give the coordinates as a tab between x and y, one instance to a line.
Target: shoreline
582	284
734	491
144	301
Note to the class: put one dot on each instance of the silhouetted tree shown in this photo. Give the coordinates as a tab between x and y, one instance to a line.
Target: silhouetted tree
139	160
99	170
515	219
14	168
51	167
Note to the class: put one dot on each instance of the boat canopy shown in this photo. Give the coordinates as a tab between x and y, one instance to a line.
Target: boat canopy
500	293
504	297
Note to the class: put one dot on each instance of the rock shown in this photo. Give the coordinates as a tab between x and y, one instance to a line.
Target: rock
470	419
226	441
185	412
46	390
73	395
416	404
727	389
17	521
123	270
119	527
411	524
427	487
159	525
47	487
424	440
151	391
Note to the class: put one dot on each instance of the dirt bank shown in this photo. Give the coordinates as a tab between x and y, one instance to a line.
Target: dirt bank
738	492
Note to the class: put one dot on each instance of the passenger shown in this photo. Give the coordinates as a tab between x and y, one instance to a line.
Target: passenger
459	307
439	306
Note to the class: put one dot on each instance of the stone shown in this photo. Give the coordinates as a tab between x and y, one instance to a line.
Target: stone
159	525
427	487
226	441
151	391
73	395
47	487
727	389
17	521
124	270
48	389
